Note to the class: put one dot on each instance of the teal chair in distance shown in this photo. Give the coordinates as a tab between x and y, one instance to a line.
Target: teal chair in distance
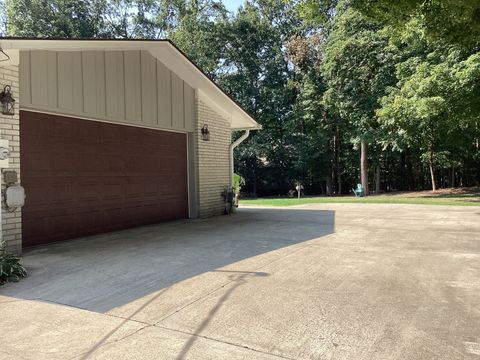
359	191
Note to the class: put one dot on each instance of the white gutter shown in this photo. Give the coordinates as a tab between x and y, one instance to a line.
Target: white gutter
232	147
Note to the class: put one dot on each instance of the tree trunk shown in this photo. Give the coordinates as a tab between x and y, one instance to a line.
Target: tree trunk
334	166
339	186
403	162
364	166
432	172
255	179
337	161
377	179
329	186
452	178
412	178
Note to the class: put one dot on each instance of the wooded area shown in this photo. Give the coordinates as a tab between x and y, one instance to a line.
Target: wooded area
386	93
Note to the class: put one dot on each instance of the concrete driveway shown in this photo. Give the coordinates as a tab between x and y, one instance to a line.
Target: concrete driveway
312	282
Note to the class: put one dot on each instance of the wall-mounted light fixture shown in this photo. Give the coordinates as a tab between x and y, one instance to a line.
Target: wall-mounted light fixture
7	101
205	133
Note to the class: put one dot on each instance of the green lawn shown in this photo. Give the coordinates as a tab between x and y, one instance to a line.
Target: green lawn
473	200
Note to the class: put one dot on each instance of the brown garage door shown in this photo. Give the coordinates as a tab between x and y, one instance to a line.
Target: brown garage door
86	177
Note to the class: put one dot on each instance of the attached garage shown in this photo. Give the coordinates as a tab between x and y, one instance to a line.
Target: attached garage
108	135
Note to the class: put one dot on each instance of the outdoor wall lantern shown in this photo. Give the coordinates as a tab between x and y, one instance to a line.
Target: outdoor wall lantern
7	101
205	133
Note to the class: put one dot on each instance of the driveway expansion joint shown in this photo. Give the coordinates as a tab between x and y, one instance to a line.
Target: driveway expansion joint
228	283
226	343
86	354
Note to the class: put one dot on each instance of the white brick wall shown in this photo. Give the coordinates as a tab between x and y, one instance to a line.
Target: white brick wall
9	129
212	160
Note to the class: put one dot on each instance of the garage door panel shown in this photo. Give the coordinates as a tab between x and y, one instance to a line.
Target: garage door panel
88	222
85	177
38	159
86	191
61	223
112	191
60	194
151	190
41	229
55	227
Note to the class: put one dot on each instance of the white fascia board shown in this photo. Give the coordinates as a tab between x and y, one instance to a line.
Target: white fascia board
164	51
74	45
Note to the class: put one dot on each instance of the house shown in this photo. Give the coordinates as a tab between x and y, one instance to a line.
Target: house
111	134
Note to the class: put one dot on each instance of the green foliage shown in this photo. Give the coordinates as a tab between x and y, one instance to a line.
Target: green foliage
239	182
3	18
423	97
196	27
256	71
320	76
358	67
434	106
316	12
10	268
443	21
55	18
81	19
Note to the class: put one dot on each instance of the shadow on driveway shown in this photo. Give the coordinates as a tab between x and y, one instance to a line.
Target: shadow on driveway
99	273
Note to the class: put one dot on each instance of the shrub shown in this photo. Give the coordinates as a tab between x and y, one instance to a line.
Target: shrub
10	267
239	182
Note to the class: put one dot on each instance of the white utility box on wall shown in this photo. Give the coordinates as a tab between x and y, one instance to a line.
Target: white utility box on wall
15	196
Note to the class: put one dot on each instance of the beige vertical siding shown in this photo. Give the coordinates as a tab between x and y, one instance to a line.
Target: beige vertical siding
133	87
149	88
52	82
177	102
164	95
189	107
39	78
88	82
77	91
121	86
115	84
65	72
9	129
25	77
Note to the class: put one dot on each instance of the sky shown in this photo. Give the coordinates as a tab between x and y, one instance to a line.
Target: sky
232	5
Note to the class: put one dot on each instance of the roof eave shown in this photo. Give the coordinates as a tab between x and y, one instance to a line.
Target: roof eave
196	77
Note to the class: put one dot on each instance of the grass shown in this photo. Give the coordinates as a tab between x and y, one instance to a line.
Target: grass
462	200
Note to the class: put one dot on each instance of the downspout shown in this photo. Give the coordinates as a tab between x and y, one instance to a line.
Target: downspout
232	147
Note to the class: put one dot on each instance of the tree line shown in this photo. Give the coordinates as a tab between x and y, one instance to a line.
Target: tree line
372	91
